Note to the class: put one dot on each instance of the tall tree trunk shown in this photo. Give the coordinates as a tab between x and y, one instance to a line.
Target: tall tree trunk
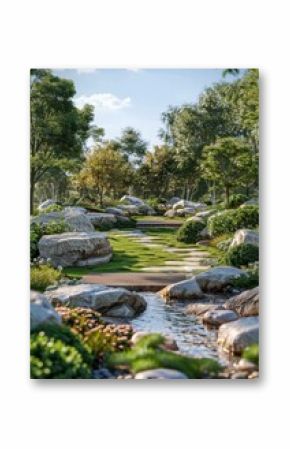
32	186
227	196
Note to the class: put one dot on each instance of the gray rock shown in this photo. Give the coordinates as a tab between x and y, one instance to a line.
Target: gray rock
185	204
206	213
41	311
170	213
130	209
75	209
234	337
160	373
115	211
102	219
199	309
173	200
46	204
194	219
247	236
217	279
74	220
251	202
75	248
114	302
133	200
218	317
188	289
246	303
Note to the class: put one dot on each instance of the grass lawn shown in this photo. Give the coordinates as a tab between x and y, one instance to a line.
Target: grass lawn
130	256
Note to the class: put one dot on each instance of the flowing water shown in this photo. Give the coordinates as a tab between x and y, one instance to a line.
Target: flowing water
190	335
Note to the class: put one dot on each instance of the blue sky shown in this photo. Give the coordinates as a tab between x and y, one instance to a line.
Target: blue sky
131	97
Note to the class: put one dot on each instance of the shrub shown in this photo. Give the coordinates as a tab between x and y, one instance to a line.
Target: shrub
52	208
66	336
189	232
237	199
38	230
250	280
232	220
56	353
251	353
42	276
242	255
147	354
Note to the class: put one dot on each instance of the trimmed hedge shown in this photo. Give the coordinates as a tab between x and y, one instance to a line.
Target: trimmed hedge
242	255
232	220
189	232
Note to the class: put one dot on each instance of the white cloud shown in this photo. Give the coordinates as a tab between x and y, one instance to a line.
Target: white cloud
134	69
88	70
104	101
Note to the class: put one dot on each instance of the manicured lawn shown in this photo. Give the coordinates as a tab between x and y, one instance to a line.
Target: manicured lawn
133	256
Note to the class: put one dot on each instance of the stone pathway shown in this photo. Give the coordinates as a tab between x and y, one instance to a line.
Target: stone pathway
192	258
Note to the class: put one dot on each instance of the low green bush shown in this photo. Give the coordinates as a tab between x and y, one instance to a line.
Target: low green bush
41	276
242	255
189	232
147	354
58	354
250	280
52	208
131	223
233	219
237	199
251	353
38	230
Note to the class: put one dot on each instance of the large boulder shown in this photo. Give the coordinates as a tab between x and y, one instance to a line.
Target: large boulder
46	204
188	289
113	302
246	236
75	221
170	213
102	219
130	209
217	279
75	248
251	202
188	204
234	337
246	303
115	211
214	280
173	200
218	317
206	213
75	209
133	200
41	311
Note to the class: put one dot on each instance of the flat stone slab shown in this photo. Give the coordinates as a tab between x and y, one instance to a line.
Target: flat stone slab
134	281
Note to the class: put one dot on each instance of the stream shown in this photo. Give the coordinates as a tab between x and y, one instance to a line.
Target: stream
190	335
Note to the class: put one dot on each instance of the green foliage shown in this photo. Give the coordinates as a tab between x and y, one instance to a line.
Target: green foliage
101	343
131	144
53	208
251	353
232	220
237	199
42	276
125	224
250	280
242	255
147	354
189	232
229	162
56	353
38	230
63	333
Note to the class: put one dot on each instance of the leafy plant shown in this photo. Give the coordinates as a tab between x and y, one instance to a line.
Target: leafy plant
237	199
242	255
55	353
232	220
146	354
251	353
189	232
42	276
250	280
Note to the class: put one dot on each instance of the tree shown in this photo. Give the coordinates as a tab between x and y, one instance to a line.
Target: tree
132	145
58	130
155	176
230	162
105	172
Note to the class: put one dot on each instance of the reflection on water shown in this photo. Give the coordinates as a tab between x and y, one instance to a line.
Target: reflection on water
191	336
